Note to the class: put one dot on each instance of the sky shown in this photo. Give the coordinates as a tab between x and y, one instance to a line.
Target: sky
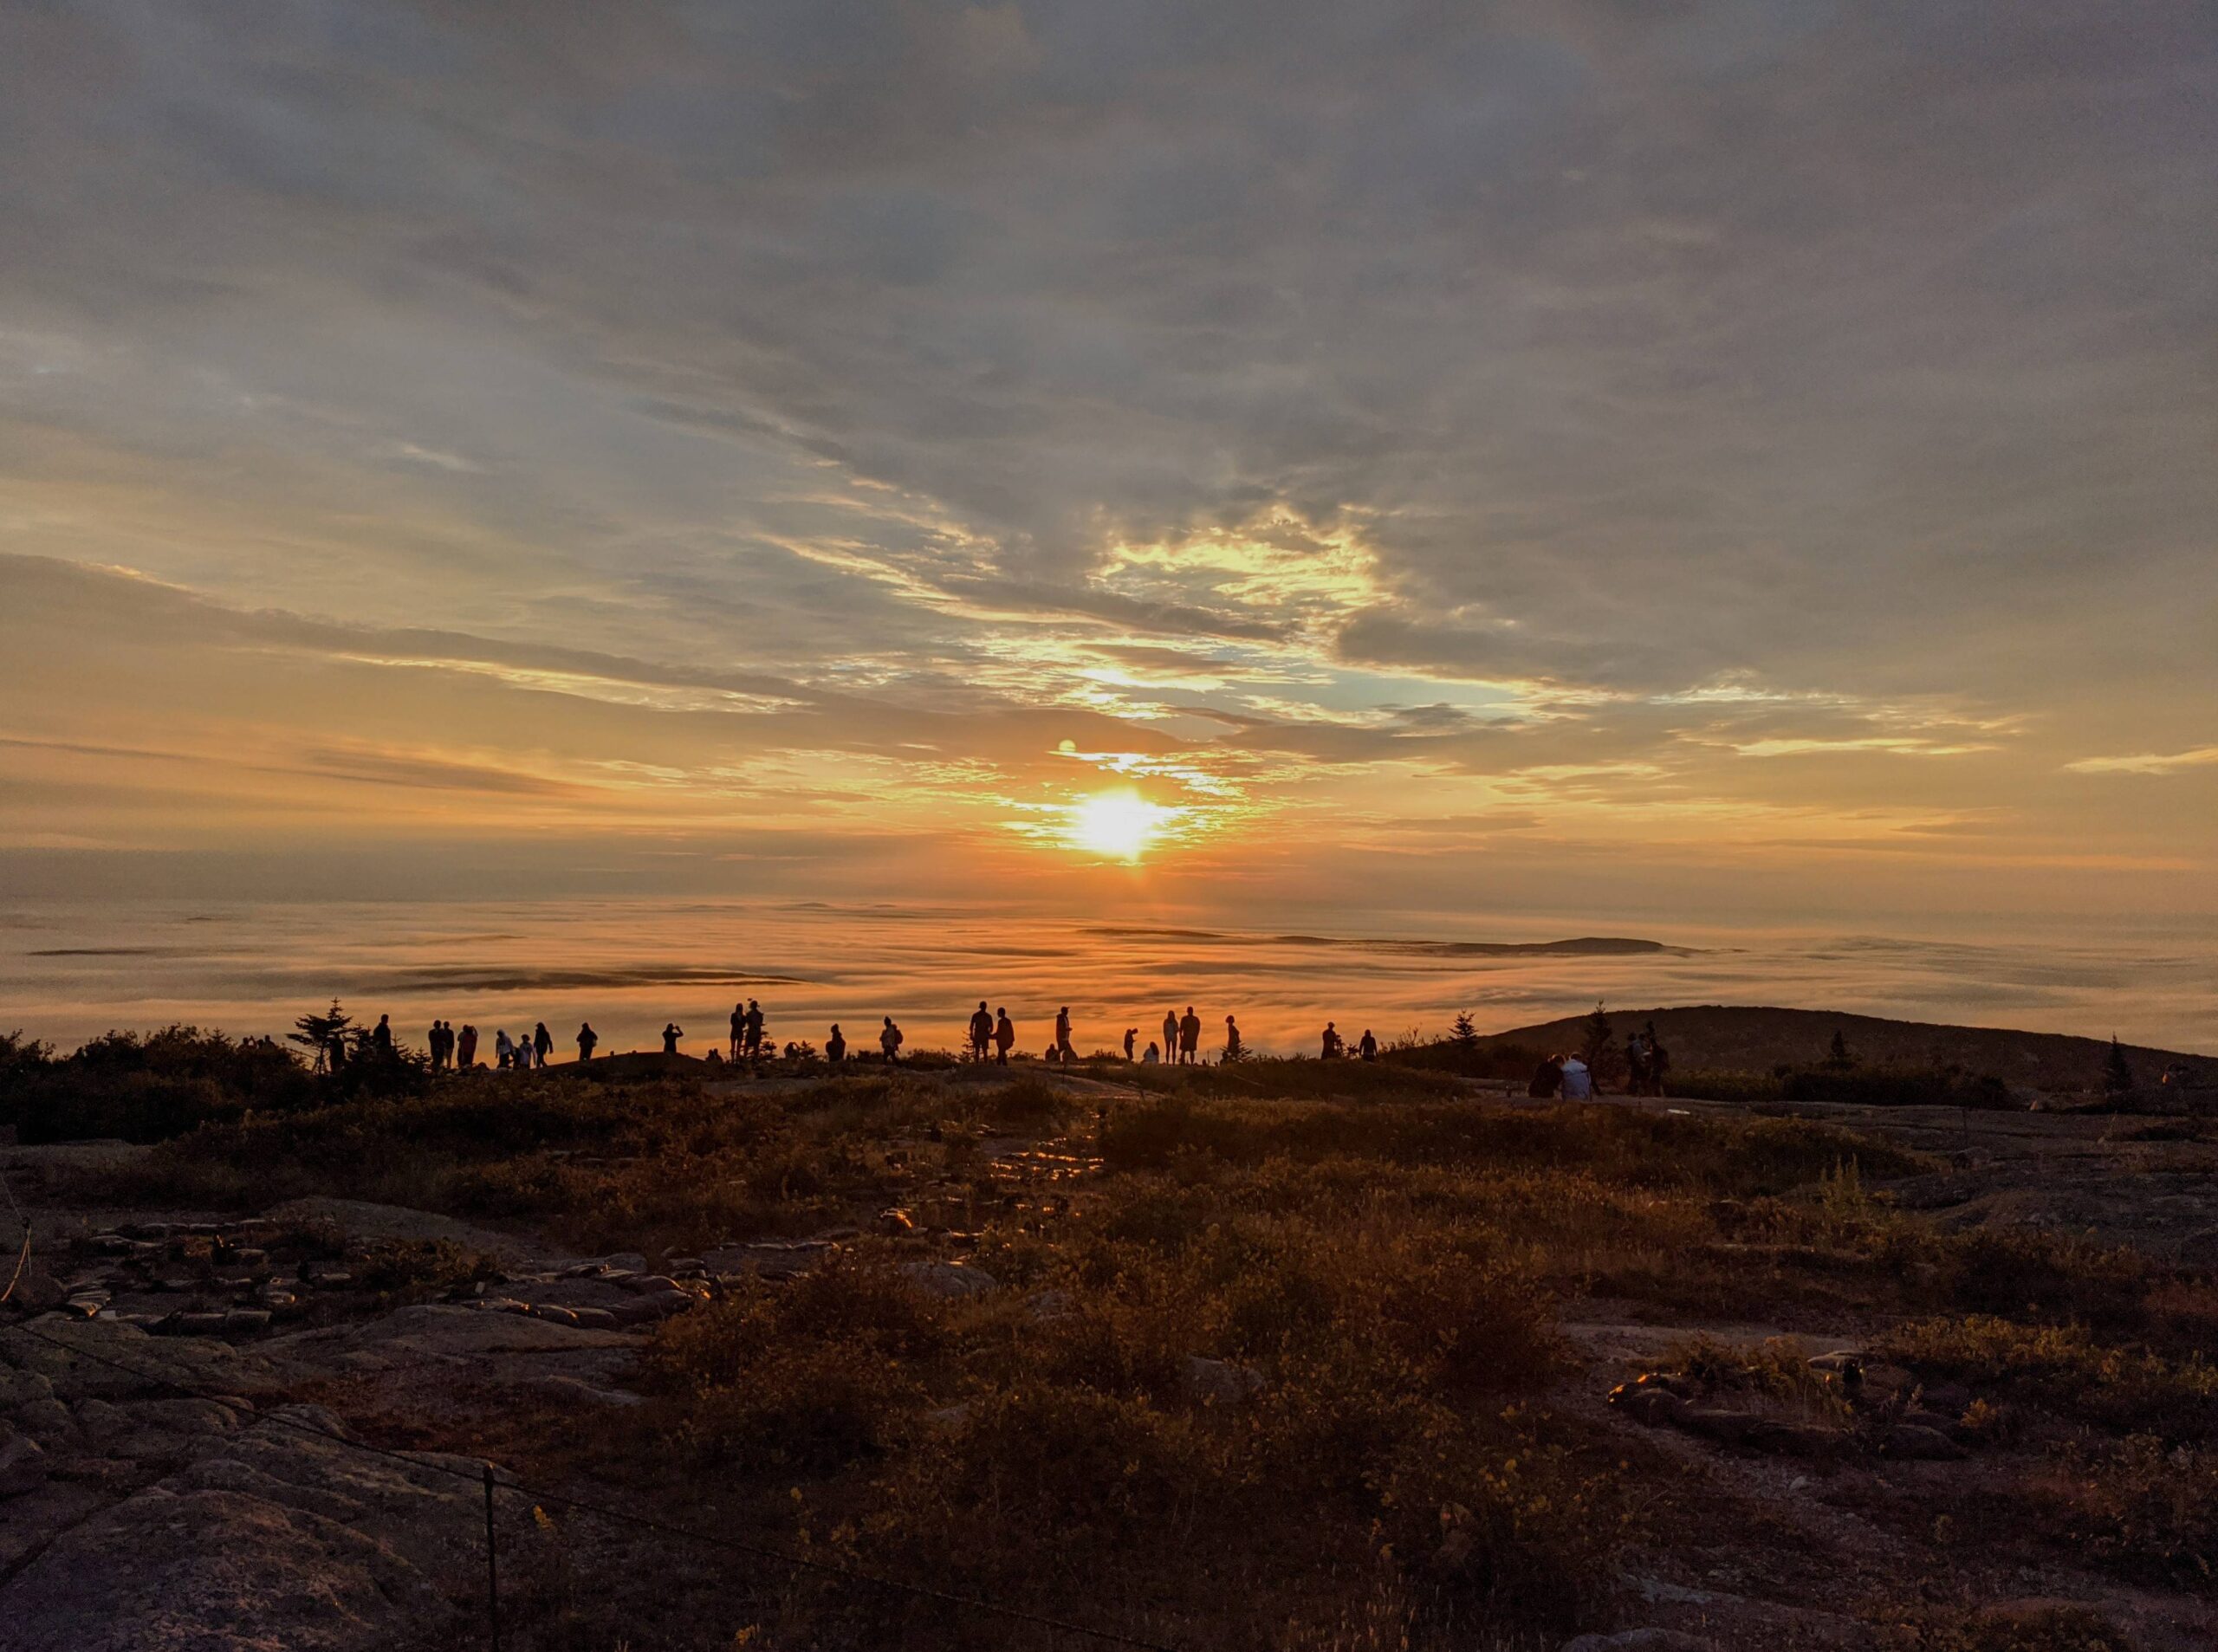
1297	463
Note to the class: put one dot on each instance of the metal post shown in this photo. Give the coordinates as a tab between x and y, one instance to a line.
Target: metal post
492	1565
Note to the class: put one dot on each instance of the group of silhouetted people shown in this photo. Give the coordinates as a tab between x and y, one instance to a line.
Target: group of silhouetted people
1572	1078
1335	1047
992	1035
455	1050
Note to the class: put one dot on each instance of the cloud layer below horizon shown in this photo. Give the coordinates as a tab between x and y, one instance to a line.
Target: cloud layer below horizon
1569	455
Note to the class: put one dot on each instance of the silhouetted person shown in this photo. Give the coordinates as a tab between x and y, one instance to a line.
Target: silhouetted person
671	1033
381	1036
1170	1033
438	1041
1333	1047
889	1039
504	1051
1368	1049
1233	1047
1659	1062
1153	1058
1131	1039
1063	1050
738	1030
754	1028
1190	1037
835	1046
542	1043
466	1047
587	1040
1004	1037
981	1031
1547	1078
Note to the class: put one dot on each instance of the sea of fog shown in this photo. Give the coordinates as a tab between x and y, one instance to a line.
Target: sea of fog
69	972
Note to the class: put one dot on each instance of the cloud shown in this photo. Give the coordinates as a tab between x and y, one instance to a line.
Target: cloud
1387	402
2146	763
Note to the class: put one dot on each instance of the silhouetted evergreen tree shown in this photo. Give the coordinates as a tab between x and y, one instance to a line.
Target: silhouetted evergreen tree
326	1033
2118	1072
1463	1032
1594	1042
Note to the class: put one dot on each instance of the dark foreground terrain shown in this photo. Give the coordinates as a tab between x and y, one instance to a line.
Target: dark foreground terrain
1296	1355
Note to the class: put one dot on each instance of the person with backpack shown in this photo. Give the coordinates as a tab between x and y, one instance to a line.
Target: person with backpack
1004	1037
587	1040
889	1039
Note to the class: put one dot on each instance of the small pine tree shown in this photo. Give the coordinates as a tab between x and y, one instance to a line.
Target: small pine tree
1594	1042
2118	1072
1463	1032
326	1032
1839	1057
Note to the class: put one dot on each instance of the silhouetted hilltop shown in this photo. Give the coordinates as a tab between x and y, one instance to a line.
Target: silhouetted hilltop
1757	1037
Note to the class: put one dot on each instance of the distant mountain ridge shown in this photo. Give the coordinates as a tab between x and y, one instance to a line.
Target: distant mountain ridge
1585	946
1757	1037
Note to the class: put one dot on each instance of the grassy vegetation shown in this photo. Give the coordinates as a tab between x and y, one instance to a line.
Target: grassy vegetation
1287	1332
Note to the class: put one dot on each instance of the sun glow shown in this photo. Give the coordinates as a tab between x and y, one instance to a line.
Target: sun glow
1118	823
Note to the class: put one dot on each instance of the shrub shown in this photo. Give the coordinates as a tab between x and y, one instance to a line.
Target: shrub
2003	1628
2141	1509
149	1087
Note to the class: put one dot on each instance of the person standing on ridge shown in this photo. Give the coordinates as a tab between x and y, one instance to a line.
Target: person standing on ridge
587	1040
504	1053
542	1044
466	1047
1131	1039
835	1045
1190	1037
1333	1047
1659	1062
889	1039
1064	1053
671	1033
381	1036
738	1030
1368	1048
1233	1047
1004	1037
754	1028
981	1031
1171	1035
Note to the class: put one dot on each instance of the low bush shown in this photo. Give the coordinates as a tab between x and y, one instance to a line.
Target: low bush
146	1088
2061	1369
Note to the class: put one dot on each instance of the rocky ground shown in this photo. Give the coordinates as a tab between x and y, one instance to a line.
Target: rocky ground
176	1412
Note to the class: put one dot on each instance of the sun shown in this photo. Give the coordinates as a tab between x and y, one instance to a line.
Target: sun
1120	825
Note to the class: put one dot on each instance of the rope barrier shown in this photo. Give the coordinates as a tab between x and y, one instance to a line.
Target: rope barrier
23	1252
631	1518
